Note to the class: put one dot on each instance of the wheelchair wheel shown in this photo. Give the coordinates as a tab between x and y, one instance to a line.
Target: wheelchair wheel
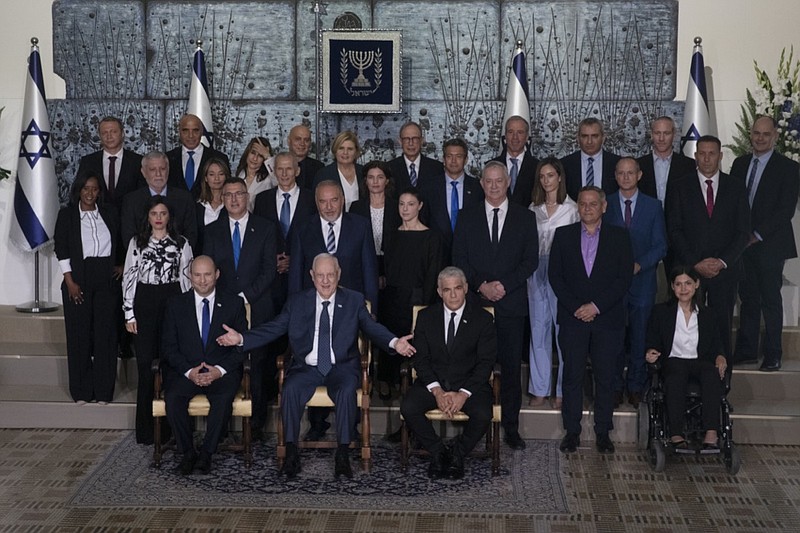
658	455
732	459
643	426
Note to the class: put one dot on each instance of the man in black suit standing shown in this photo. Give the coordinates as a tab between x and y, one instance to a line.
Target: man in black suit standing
187	160
708	225
771	182
155	169
445	195
663	166
456	349
299	144
412	168
496	244
196	364
120	170
591	165
520	163
243	246
591	266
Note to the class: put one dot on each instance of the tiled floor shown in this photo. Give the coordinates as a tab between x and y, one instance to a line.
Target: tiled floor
40	469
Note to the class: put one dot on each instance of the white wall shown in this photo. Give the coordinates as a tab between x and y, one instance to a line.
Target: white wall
734	32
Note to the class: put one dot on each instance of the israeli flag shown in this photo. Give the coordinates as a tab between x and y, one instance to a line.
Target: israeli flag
36	192
517	100
199	103
696	120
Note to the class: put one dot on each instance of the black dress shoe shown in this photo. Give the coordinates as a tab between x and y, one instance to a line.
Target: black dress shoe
773	366
514	441
317	431
187	463
342	464
603	443
455	469
440	461
291	463
204	463
570	442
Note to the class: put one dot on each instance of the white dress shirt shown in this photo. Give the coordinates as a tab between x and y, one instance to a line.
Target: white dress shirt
196	157
117	165
565	214
311	358
684	343
501	217
95	238
337	229
597	165
294	196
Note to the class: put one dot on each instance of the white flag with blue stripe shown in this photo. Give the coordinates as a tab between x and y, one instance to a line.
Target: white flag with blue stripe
199	103
36	192
696	119
517	100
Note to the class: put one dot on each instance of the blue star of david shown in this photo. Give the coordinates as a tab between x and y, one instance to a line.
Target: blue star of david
43	150
691	135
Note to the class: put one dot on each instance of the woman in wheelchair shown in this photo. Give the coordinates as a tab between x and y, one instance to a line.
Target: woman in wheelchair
687	335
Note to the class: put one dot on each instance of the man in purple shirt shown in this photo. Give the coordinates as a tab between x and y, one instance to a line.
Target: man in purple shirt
591	266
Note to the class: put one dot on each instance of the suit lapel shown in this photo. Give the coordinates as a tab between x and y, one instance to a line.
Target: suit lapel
216	323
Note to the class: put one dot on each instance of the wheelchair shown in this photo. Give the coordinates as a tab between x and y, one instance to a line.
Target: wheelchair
652	424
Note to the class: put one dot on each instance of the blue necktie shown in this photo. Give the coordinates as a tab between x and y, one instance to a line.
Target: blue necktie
206	321
331	242
189	175
237	245
412	173
324	341
590	171
514	172
285	214
453	204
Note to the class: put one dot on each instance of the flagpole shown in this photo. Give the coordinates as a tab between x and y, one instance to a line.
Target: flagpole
36	306
318	10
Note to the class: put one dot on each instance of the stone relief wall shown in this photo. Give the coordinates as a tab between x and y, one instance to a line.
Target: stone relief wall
610	59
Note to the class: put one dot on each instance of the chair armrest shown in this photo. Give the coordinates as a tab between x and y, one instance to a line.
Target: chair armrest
246	367
405	376
496	373
280	364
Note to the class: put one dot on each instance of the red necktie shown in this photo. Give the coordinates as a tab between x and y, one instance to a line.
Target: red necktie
112	175
709	197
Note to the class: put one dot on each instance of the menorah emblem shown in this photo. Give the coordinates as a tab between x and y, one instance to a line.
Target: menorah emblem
361	60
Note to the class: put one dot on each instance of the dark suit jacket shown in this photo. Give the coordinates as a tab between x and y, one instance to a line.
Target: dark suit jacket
331	172
176	177
129	179
180	202
256	269
182	344
511	262
693	236
474	351
661	331
436	197
391	218
355	251
572	169
648	234
679	166
773	205
308	169
525	178
427	169
608	283
68	243
298	320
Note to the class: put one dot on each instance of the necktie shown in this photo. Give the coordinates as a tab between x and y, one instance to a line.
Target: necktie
451	331
453	204
237	245
709	197
495	227
627	213
752	180
514	172
112	175
324	341
189	174
206	325
589	171
285	214
331	243
412	173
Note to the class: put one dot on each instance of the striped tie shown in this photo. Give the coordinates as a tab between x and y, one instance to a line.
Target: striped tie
331	243
590	172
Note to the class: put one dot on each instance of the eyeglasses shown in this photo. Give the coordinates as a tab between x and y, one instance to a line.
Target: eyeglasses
410	139
238	195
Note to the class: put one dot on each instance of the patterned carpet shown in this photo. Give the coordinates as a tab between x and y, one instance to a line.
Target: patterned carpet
529	483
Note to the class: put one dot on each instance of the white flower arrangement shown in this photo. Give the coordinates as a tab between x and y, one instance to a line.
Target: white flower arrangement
780	100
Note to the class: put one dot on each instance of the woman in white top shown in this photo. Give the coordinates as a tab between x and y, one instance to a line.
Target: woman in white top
209	205
345	170
256	168
553	209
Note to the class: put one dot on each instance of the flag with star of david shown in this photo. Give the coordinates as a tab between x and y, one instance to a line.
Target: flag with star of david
199	103
517	96
696	118
36	192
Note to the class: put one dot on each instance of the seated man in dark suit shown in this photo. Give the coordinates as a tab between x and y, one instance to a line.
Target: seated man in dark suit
519	161
456	348
299	144
120	169
199	365
324	352
591	165
186	160
412	169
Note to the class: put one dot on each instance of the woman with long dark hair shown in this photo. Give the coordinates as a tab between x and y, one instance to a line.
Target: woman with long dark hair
256	168
214	174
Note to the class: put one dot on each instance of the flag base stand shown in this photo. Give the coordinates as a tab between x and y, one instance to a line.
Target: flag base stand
36	306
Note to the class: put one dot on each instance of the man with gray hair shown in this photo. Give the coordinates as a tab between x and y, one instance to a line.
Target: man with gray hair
520	163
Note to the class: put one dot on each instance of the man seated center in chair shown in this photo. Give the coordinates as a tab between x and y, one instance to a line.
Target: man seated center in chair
456	349
197	364
323	325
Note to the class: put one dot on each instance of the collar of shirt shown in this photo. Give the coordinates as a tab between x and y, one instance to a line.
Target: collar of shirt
198	305
658	159
118	155
197	156
598	157
596	231
242	224
416	162
154	193
94	213
501	215
763	159
337	227
459	179
518	157
633	200
459	313
293	192
714	183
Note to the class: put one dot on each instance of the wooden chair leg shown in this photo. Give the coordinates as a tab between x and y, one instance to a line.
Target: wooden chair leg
247	442
157	441
280	452
495	448
366	451
404	445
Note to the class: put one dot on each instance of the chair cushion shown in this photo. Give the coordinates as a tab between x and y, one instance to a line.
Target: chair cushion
199	406
321	398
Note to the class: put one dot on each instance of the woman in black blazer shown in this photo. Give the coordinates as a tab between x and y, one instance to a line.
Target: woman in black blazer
688	334
87	248
346	151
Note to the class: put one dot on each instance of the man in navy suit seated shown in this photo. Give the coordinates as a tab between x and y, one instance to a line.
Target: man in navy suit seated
323	325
